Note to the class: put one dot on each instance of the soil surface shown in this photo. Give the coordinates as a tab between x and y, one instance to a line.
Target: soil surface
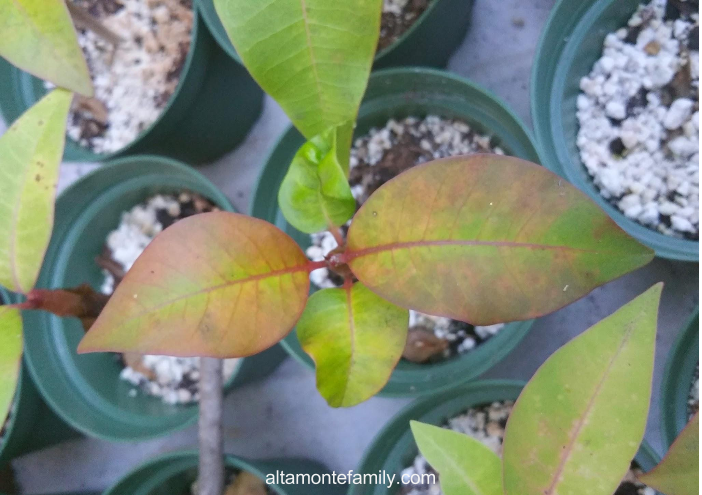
639	118
398	16
135	75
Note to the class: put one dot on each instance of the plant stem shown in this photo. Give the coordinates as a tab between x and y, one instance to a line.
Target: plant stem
83	18
211	475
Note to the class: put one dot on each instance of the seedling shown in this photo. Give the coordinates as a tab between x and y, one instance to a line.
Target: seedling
577	424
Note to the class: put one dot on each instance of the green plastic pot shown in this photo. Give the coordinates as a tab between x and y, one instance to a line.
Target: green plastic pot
430	41
398	93
215	104
32	426
172	474
677	379
394	448
85	390
570	45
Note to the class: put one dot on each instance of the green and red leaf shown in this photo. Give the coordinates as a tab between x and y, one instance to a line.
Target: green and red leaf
355	338
679	472
486	239
10	357
30	155
465	465
218	284
580	420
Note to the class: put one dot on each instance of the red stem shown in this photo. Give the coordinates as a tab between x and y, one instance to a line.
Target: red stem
316	265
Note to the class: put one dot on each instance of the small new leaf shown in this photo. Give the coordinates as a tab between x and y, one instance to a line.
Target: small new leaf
464	464
10	357
30	155
355	338
679	472
216	284
315	193
434	237
38	37
312	56
580	420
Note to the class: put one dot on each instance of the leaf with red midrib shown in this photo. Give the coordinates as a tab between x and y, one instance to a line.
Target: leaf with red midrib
486	239
218	284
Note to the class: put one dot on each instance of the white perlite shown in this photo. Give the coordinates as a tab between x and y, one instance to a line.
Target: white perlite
135	80
642	151
438	138
394	6
174	379
487	425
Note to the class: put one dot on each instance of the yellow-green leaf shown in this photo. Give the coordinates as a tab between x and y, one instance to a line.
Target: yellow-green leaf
217	284
315	193
30	155
679	472
580	420
10	357
312	56
437	236
355	338
465	465
38	37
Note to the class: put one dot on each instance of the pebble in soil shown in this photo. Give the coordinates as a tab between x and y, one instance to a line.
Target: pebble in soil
134	79
376	158
174	379
487	423
398	16
239	483
693	399
639	118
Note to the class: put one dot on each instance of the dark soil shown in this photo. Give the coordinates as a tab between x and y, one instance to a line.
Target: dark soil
393	26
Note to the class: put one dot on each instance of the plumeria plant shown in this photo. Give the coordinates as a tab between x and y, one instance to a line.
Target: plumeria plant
577	424
221	285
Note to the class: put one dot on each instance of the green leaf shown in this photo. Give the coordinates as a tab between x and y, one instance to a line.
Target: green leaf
465	465
10	357
38	37
355	339
315	193
486	239
217	284
30	155
679	472
580	420
312	56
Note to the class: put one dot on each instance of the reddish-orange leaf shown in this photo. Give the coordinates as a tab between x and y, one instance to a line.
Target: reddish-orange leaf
486	239
218	284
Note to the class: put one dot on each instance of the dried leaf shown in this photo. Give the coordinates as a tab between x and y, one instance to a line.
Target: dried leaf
580	420
246	483
423	345
433	238
215	284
